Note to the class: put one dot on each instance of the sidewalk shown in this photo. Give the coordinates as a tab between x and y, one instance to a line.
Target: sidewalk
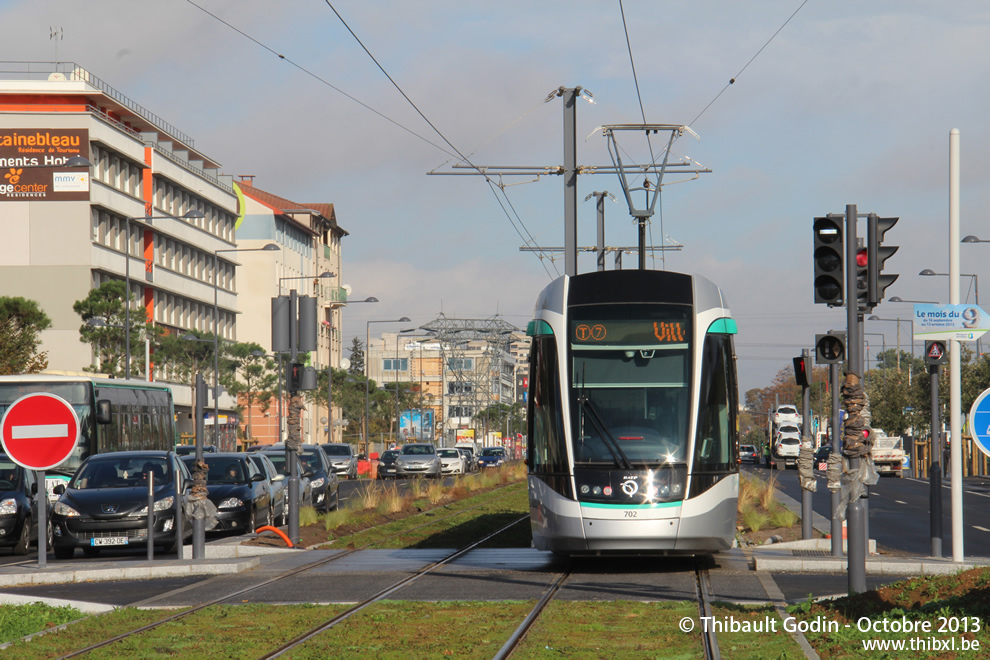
814	555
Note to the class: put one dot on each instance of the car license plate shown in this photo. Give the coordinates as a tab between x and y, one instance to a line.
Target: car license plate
110	540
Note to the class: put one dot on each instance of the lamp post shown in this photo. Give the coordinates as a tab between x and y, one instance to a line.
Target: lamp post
271	247
189	215
898	321
367	377
928	272
369	299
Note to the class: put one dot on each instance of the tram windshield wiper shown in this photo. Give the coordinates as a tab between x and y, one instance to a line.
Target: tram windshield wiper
587	406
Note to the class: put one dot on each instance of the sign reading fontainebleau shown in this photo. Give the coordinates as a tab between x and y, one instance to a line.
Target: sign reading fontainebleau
33	165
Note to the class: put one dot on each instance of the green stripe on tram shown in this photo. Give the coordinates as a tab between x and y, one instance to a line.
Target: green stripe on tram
724	327
537	327
654	505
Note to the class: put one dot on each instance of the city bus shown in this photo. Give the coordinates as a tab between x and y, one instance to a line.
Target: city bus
114	415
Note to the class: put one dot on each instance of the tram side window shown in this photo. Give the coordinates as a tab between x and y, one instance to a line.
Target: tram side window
715	441
547	454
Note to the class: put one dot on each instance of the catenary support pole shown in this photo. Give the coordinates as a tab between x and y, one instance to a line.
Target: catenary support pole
955	380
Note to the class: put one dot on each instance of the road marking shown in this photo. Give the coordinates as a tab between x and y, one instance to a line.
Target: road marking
900	502
38	431
982	529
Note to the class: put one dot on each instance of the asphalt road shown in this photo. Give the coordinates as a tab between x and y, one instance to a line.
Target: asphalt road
899	511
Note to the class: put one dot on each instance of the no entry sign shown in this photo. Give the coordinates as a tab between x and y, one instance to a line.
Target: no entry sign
39	431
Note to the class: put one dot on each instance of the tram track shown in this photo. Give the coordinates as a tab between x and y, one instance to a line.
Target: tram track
703	591
519	634
308	567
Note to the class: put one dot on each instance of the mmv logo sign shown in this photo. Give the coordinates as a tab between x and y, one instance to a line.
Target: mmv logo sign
70	182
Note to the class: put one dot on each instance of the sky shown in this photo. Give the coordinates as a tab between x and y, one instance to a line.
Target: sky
833	103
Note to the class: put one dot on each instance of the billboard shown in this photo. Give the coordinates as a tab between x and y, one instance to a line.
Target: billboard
32	161
416	425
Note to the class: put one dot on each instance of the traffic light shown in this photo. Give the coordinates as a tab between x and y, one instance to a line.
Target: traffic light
829	261
863	278
830	348
294	376
800	371
935	352
878	282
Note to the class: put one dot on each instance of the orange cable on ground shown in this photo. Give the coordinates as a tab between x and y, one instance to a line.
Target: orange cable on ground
269	528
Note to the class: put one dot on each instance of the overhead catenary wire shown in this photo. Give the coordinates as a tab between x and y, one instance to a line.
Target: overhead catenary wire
733	79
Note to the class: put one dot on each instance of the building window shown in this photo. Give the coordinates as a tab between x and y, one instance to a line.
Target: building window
395	364
460	388
460	364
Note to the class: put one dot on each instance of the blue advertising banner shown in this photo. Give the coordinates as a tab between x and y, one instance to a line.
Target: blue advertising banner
959	322
416	425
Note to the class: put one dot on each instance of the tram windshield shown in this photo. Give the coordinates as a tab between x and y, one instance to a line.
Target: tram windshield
630	384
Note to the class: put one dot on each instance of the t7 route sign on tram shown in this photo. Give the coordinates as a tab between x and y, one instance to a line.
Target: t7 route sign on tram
39	431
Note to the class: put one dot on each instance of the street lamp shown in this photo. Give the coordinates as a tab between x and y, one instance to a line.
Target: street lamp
367	377
194	214
369	299
897	299
898	321
271	247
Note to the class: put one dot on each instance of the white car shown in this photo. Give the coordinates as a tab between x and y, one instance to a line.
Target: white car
786	415
451	461
787	446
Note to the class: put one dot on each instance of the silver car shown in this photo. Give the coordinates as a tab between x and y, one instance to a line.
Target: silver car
418	459
342	458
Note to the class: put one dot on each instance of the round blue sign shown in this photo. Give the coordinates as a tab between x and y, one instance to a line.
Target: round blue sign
979	422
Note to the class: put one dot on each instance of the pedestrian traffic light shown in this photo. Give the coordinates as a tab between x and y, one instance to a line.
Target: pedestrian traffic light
294	376
879	253
829	261
830	348
800	371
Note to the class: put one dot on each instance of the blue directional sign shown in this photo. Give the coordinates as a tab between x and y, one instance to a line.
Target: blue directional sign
959	322
979	422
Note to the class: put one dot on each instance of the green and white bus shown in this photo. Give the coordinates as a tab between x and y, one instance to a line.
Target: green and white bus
114	415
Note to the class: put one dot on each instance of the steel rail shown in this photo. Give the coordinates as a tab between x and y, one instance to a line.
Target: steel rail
388	591
277	578
520	633
703	587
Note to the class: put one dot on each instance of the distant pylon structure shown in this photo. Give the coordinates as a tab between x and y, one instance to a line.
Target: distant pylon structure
477	371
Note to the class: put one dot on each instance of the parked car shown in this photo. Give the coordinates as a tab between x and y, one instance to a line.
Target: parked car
491	457
469	462
186	450
278	485
18	506
323	482
342	458
240	492
277	458
386	464
451	461
786	414
748	454
418	459
105	504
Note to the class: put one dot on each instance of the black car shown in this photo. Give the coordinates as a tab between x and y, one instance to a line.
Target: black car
313	463
18	506
240	492
277	483
386	464
186	450
105	504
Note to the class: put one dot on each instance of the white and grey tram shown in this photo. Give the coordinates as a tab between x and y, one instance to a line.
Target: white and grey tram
633	440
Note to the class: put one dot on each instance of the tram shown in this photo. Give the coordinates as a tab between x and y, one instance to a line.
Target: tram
633	399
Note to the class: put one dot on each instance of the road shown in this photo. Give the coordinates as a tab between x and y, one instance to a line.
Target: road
899	519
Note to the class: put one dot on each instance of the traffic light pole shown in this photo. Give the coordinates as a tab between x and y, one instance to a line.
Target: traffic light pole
835	437
855	514
935	469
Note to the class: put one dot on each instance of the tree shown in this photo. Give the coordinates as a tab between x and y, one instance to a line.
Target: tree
105	303
21	320
357	357
255	379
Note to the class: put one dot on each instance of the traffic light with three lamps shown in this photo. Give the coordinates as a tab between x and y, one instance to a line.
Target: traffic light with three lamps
877	281
829	261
